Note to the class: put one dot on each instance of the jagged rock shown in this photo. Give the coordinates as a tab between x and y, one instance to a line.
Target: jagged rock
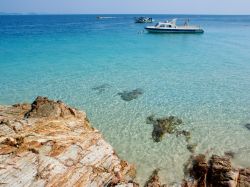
221	173
244	179
24	106
154	180
162	126
43	107
218	172
51	144
199	170
131	95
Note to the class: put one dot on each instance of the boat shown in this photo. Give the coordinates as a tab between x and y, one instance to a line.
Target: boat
171	27
143	20
104	17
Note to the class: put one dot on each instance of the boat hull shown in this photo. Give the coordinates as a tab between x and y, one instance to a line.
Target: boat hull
181	31
143	21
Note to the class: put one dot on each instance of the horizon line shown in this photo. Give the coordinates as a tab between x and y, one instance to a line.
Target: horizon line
201	14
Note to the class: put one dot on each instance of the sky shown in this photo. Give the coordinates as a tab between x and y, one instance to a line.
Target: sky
126	6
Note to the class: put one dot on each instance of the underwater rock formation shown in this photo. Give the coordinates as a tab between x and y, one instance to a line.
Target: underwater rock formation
168	125
191	147
50	144
131	95
230	154
185	133
248	126
101	88
162	126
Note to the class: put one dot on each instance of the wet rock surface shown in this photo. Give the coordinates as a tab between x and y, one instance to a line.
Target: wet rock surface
217	172
199	169
131	95
49	143
221	173
244	178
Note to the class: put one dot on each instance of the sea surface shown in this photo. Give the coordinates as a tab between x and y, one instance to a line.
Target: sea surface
203	79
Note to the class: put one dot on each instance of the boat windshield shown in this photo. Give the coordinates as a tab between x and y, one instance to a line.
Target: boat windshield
157	24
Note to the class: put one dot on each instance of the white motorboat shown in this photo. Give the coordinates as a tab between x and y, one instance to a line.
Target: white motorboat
171	27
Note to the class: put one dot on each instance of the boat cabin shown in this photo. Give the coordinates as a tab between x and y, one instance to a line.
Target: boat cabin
167	24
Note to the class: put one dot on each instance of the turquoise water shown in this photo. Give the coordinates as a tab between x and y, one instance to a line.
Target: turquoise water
202	79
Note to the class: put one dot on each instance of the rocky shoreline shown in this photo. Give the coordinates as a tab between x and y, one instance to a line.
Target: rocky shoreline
48	143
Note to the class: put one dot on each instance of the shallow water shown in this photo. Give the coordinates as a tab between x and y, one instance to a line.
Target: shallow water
202	79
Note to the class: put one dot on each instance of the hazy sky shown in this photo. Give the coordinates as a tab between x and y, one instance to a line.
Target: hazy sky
127	6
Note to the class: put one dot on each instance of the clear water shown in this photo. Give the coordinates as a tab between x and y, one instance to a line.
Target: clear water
202	79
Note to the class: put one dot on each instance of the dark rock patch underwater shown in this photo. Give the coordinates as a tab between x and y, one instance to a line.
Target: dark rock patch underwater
163	125
248	126
101	88
169	125
131	95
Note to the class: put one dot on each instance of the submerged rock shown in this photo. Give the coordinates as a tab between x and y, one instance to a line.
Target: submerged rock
101	88
168	125
191	147
185	133
230	154
154	180
162	126
51	144
131	95
248	126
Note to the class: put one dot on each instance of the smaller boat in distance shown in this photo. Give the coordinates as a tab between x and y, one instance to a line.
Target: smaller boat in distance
171	27
143	20
104	17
